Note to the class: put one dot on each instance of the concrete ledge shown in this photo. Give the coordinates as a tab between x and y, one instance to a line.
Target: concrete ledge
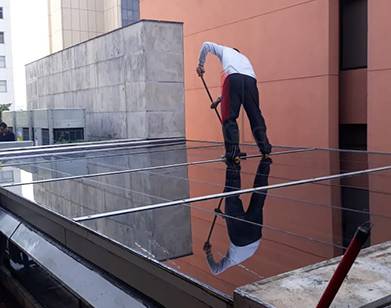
368	282
15	144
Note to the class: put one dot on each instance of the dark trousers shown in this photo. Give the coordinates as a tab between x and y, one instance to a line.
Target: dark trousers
242	233
240	90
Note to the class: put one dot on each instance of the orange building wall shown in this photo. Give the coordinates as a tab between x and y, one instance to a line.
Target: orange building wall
293	45
379	75
353	97
379	107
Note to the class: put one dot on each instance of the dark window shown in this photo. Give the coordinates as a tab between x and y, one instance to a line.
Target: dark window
1	37
2	62
354	34
45	136
3	86
354	191
353	136
10	128
66	135
1	13
130	11
26	133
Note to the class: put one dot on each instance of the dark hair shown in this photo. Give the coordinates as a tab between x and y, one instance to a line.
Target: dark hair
3	125
236	50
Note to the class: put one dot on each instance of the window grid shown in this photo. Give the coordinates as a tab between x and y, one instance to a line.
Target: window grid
26	133
2	62
45	136
65	135
130	11
3	86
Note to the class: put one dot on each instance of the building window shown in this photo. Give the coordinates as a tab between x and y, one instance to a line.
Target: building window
26	133
354	34
66	135
2	62
1	13
1	37
353	136
3	86
45	136
130	11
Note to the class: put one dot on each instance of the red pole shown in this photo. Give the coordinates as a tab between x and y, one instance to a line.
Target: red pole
344	266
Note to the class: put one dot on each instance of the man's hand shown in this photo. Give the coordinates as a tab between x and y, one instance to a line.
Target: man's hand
200	70
216	102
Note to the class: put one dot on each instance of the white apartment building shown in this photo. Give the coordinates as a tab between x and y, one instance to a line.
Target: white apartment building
6	70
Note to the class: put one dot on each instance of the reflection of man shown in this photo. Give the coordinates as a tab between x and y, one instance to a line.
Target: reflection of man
244	235
5	133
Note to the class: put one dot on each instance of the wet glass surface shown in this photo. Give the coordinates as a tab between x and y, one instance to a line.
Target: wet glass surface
65	165
256	236
96	194
261	234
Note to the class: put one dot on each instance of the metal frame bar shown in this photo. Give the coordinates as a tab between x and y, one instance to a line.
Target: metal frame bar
317	148
252	144
69	145
87	148
45	161
227	194
105	149
142	169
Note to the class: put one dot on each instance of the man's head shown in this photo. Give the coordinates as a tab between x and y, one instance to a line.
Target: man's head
3	127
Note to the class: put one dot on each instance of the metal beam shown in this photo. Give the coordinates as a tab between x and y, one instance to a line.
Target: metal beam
65	158
38	155
83	176
82	148
227	194
317	148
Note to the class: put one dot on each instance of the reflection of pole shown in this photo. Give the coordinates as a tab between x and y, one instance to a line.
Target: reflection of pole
214	220
210	97
344	266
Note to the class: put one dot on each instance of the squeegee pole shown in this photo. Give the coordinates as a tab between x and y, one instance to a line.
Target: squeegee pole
210	97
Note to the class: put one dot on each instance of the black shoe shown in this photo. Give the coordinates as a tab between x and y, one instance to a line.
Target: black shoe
266	159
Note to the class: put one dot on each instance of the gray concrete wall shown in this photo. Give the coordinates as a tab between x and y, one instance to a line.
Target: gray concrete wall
130	81
23	119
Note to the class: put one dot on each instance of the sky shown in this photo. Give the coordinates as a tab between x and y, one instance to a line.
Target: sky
30	40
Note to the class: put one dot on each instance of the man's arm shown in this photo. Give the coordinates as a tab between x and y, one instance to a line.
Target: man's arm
208	47
216	267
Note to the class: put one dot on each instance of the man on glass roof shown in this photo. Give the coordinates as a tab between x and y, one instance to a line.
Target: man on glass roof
239	88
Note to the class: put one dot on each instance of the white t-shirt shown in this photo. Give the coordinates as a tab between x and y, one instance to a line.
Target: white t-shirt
232	61
234	256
